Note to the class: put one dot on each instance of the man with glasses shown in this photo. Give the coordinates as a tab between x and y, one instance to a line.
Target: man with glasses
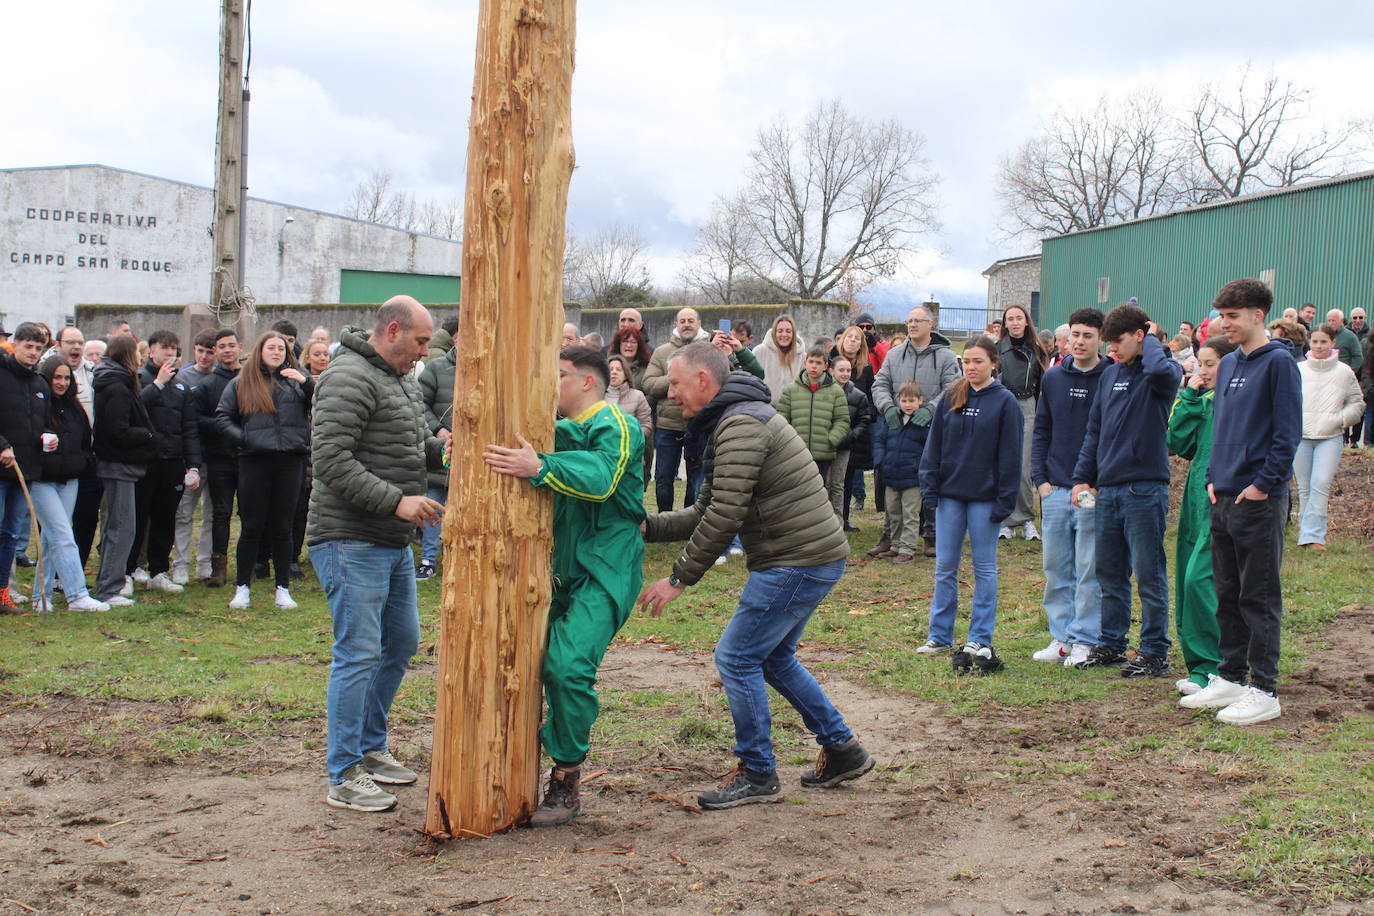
596	474
1357	323
924	357
877	347
673	443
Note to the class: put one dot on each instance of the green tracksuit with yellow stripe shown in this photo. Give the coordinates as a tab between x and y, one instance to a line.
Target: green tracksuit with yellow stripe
596	473
1190	435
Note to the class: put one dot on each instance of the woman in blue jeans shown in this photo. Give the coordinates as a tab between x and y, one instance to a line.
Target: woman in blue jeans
971	473
66	456
1331	401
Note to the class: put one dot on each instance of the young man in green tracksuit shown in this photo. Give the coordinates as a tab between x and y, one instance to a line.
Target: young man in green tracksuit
596	473
1190	435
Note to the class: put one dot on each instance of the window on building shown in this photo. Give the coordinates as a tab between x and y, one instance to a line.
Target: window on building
1267	277
1104	290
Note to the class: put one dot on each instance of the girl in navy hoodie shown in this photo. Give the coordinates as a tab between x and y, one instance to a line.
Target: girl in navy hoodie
971	474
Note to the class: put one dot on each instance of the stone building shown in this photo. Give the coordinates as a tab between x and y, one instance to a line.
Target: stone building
1014	281
86	234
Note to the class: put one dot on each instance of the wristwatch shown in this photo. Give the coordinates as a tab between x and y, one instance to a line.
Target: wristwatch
674	581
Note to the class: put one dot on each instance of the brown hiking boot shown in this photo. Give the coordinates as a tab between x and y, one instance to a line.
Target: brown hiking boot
930	547
882	548
561	801
901	558
219	570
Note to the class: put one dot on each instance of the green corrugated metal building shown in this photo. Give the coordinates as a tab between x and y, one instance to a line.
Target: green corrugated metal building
1310	243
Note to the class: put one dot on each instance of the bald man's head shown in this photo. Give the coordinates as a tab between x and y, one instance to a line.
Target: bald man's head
571	335
401	333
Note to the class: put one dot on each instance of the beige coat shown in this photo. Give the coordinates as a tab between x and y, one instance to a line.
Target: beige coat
1331	397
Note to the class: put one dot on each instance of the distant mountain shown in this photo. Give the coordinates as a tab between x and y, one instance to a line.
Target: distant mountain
891	302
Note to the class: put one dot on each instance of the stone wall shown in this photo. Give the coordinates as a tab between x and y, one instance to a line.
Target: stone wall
1012	283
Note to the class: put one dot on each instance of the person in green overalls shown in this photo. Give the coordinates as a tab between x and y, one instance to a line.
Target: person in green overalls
596	473
1190	435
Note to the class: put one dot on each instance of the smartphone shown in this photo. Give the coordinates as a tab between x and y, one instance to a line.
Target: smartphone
724	325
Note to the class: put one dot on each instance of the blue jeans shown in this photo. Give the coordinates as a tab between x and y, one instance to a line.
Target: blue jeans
54	503
14	526
429	535
371	595
953	518
1130	538
670	448
1315	466
759	646
1073	599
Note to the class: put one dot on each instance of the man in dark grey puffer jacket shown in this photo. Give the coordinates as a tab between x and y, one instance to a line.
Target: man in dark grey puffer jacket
371	451
762	484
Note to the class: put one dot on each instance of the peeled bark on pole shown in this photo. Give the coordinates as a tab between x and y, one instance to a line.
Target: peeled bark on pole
484	772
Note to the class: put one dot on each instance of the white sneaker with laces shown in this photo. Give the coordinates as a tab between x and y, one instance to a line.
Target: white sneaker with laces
284	601
1256	706
1187	686
87	603
1056	651
180	577
141	577
1077	653
119	601
1030	532
128	590
1004	534
1218	693
931	647
240	599
162	583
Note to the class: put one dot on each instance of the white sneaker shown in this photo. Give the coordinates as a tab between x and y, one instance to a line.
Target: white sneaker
1004	534
1218	693
1029	532
240	599
1077	653
87	603
721	560
1187	686
1056	651
735	552
1255	706
180	577
283	599
931	647
128	590
16	595
119	601
141	578
161	583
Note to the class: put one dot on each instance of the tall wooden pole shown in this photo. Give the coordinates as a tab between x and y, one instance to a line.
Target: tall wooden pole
484	772
230	139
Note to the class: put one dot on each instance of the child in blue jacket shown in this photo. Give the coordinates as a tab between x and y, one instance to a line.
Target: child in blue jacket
897	453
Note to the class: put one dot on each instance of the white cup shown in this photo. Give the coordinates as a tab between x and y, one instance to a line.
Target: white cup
49	442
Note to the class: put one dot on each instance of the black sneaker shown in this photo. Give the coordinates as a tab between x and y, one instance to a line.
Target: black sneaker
261	571
838	763
22	561
562	800
742	787
1102	657
976	657
424	571
1146	666
295	570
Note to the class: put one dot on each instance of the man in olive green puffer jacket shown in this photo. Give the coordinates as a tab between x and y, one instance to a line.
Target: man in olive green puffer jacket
370	450
762	484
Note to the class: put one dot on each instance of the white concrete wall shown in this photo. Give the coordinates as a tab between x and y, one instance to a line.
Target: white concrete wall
1012	284
92	234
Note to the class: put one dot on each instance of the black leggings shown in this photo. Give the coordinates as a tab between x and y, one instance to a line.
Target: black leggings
269	486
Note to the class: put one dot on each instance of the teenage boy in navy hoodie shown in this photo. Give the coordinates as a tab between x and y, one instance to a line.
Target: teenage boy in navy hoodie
1256	431
1073	599
1125	459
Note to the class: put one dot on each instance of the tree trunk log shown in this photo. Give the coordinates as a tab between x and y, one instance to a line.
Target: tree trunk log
497	532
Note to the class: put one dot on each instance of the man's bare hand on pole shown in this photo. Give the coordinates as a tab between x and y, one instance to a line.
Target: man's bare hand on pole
517	462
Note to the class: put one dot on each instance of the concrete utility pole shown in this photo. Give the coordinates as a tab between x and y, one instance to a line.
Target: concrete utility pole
484	771
231	163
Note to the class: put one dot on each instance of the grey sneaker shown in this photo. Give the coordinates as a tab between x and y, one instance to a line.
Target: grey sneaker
359	793
384	768
742	787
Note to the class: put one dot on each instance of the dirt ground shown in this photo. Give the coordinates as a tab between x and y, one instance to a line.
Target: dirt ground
951	833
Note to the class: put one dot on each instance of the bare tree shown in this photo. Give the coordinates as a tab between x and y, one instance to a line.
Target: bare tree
719	267
616	257
377	201
834	196
1115	161
1245	137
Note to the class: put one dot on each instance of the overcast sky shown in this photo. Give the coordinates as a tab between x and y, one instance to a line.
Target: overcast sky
667	96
